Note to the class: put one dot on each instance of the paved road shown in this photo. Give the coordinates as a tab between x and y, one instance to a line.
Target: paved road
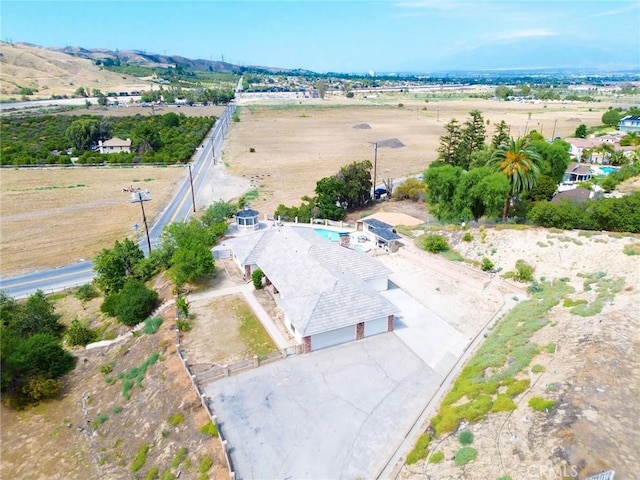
178	209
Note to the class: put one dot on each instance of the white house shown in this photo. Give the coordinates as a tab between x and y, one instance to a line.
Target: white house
328	293
114	145
630	123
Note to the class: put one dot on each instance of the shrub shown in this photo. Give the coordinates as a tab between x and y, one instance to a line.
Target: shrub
465	455
176	419
633	249
167	475
524	271
86	292
151	325
184	325
107	367
419	451
435	243
116	409
179	457
465	437
79	333
205	464
252	150
550	347
487	265
467	237
503	403
539	404
140	459
209	429
101	418
135	302
436	457
152	473
517	387
256	278
537	368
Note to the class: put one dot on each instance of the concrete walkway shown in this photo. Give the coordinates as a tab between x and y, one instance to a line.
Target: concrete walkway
246	290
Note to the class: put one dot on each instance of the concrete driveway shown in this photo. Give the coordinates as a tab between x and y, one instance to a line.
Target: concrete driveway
334	413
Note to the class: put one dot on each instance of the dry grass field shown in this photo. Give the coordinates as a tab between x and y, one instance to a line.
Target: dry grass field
297	143
55	216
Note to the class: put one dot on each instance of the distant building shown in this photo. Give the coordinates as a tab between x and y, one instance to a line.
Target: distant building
630	123
114	145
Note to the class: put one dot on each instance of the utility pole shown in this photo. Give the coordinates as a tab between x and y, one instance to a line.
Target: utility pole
438	115
193	196
553	135
142	196
375	165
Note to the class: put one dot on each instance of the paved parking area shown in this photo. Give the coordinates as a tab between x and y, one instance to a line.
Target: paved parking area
335	413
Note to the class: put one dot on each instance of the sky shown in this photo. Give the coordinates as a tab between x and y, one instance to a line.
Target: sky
356	36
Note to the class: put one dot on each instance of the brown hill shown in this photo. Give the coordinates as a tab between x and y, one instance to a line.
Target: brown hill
49	72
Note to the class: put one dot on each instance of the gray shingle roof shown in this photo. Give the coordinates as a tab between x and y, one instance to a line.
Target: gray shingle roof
322	285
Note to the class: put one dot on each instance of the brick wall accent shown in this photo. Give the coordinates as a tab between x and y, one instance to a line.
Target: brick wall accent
306	344
360	331
390	323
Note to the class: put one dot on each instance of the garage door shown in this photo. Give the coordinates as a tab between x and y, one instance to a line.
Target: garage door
374	327
334	337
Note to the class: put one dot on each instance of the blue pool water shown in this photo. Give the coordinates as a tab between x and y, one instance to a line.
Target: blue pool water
608	170
330	235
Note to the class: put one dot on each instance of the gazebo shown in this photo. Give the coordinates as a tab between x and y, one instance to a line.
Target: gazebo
247	219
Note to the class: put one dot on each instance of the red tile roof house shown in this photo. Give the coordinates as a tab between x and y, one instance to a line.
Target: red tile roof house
114	145
328	293
594	147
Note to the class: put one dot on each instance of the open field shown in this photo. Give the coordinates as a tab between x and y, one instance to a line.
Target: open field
55	216
298	143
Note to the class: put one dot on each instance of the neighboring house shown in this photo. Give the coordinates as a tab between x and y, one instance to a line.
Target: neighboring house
329	294
596	149
384	234
577	173
114	145
578	194
630	123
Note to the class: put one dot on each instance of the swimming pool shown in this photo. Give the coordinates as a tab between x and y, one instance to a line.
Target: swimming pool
608	170
331	235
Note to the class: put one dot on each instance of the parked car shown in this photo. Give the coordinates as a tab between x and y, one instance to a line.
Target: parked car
379	193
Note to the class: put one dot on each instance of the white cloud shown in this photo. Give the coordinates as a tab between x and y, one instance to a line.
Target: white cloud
616	11
530	33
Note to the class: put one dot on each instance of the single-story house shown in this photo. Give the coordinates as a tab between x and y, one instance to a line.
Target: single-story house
597	149
328	293
577	173
247	219
384	234
630	123
577	194
114	145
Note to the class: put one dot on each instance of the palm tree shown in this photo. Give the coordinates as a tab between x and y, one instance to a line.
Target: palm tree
518	160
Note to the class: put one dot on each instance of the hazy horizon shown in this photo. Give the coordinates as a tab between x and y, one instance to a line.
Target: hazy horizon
347	36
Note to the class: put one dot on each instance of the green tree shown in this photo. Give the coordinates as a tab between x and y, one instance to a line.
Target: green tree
217	212
519	162
148	137
191	262
36	316
502	92
501	135
472	138
612	117
82	133
449	149
442	181
79	333
477	193
135	302
115	265
80	92
331	194
544	189
581	131
356	177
